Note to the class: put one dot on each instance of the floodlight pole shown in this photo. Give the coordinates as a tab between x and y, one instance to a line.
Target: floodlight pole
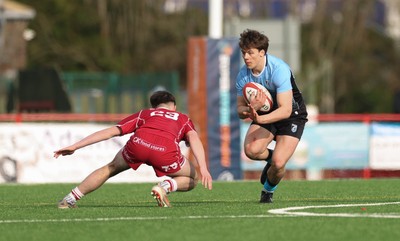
215	18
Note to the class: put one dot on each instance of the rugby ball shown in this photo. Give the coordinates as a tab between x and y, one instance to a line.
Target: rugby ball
250	90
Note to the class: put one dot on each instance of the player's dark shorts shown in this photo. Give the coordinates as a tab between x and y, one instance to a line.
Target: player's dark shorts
288	127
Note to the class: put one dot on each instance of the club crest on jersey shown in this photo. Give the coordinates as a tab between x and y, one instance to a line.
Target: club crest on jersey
294	128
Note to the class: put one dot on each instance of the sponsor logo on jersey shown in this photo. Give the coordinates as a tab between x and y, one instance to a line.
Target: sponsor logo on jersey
151	146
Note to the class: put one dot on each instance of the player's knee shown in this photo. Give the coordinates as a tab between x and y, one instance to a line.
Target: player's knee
279	165
193	183
112	169
252	152
115	167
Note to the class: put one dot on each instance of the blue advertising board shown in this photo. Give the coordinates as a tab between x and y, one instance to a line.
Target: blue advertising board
324	146
223	123
212	68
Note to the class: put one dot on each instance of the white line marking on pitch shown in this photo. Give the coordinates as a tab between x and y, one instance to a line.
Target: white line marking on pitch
281	212
132	218
292	211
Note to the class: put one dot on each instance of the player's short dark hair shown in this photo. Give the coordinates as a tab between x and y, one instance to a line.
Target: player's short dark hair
161	97
253	39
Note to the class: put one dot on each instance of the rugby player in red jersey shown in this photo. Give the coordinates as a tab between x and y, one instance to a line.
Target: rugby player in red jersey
156	133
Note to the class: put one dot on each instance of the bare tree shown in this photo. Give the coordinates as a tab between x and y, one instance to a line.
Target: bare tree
340	59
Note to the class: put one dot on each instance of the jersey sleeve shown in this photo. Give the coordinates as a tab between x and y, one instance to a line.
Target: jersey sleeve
126	119
189	126
129	124
282	79
241	80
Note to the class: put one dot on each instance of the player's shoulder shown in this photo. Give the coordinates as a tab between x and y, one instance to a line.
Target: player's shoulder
276	62
243	70
145	112
183	115
277	67
244	74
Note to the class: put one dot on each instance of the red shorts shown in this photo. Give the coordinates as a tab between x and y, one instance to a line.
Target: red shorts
163	154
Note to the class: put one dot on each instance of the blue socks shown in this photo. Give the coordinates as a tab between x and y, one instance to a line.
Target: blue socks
268	187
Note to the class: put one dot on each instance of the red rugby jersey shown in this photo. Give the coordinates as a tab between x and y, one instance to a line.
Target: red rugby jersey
158	121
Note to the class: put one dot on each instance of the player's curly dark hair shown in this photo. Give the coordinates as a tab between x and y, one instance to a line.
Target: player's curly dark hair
161	97
253	39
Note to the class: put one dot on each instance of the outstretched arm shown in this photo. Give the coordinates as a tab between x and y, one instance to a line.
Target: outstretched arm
90	139
198	152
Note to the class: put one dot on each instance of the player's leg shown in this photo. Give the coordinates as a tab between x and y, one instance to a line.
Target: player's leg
284	149
183	180
264	172
255	146
256	142
96	179
186	178
101	175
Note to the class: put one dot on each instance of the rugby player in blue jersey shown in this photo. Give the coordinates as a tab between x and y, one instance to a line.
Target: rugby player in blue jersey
284	124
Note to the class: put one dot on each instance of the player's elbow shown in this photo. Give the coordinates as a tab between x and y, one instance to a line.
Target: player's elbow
242	112
242	116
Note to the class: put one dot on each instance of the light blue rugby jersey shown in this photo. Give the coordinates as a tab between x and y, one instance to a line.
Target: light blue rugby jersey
276	77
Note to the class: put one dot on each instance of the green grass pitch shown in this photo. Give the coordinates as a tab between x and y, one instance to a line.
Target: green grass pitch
344	209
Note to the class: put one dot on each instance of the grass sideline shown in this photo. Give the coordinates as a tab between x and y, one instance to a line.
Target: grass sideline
229	212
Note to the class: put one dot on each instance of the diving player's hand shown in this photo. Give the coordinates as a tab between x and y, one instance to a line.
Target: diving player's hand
64	152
